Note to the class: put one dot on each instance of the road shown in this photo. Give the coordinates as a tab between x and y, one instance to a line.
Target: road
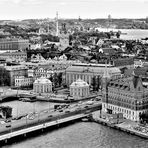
42	117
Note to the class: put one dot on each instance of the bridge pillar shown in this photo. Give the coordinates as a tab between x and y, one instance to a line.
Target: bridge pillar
6	140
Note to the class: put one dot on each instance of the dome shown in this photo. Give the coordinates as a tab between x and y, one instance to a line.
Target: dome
42	80
79	83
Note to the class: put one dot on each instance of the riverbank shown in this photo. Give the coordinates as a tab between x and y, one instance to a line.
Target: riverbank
127	126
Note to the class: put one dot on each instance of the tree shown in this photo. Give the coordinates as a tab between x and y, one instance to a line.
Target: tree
93	83
4	77
118	34
55	80
96	83
59	78
143	117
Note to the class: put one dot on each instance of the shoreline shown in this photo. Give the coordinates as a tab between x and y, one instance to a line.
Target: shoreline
119	127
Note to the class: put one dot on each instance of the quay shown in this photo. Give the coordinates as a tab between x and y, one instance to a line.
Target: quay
121	126
44	123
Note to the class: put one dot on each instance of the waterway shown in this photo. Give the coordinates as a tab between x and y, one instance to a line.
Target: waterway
76	135
82	135
128	33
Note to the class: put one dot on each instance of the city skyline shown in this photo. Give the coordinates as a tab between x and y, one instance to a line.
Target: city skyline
32	9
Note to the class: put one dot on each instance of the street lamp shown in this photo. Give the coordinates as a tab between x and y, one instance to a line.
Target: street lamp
34	107
48	102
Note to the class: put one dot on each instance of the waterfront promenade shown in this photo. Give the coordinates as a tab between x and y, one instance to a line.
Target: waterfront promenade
126	125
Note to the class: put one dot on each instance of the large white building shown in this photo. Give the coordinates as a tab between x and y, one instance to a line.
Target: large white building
23	81
125	95
79	89
87	71
42	85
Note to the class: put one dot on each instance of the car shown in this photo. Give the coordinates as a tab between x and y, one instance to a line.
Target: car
2	122
31	118
50	116
85	106
67	111
8	125
8	120
60	110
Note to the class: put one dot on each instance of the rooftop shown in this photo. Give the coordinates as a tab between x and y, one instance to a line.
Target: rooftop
79	83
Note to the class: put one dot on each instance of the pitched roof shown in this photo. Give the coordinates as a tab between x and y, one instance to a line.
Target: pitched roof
108	50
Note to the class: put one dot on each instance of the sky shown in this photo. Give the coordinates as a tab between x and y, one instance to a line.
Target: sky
31	9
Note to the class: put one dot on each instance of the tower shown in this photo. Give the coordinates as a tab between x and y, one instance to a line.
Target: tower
57	25
109	21
105	79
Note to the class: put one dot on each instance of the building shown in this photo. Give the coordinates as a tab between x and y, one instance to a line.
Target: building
21	81
14	44
15	71
125	95
123	62
5	112
42	85
14	56
140	63
107	51
87	71
79	89
49	67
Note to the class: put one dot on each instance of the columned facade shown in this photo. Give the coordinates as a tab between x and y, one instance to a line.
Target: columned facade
79	89
87	72
42	85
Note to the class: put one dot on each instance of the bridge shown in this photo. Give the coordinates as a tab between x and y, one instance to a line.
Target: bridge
14	94
45	122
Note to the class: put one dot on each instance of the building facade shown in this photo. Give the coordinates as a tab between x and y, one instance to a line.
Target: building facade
15	71
42	85
48	68
123	62
14	44
125	95
21	81
14	56
79	89
87	71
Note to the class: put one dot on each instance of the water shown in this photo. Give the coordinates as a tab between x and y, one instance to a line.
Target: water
133	34
77	135
130	33
83	135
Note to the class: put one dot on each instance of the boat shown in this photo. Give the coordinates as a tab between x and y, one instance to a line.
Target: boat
27	100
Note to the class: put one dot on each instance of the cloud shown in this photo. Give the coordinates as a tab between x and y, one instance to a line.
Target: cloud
11	1
62	3
32	2
22	1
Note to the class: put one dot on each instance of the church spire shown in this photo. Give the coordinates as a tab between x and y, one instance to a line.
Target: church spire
106	72
57	25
